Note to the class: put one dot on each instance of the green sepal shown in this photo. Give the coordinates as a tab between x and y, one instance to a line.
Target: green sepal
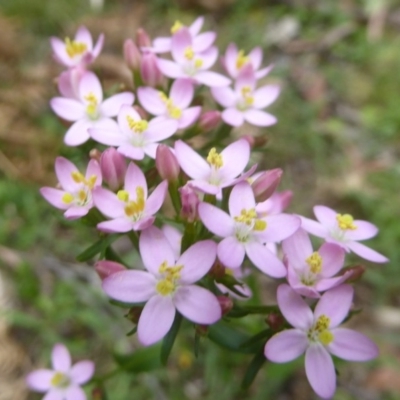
98	247
169	339
252	370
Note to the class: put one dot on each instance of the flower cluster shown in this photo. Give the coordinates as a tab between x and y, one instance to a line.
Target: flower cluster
226	217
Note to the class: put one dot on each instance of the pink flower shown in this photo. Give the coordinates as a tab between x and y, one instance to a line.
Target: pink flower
174	107
245	103
221	170
79	51
190	63
201	41
75	195
167	285
343	230
113	168
64	381
134	137
317	334
236	60
311	272
130	208
245	233
277	203
90	111
68	82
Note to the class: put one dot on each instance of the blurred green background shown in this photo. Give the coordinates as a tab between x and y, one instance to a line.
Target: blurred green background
337	140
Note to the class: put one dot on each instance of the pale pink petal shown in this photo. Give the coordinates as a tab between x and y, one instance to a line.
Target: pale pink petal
78	133
265	95
216	220
256	56
129	151
231	252
60	53
107	137
332	259
189	116
265	260
182	92
197	304
151	101
64	170
116	225
279	227
352	346
230	59
224	96
367	253
150	239
111	106
209	57
54	197
161	44
40	380
206	187
365	230
125	113
156	319
259	118
196	26
75	393
181	40
326	216
68	82
160	128
68	109
84	36
335	304
297	248
81	372
203	41
170	68
54	394
156	199
294	308
212	79
134	178
60	358
130	286
232	116
320	371
329	283
75	212
174	237
98	46
193	164
105	123
313	227
197	261
108	203
151	149
263	72
235	158
241	198
90	84
286	346
245	77
93	169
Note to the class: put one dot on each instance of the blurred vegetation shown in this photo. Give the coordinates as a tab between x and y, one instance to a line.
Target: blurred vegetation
337	140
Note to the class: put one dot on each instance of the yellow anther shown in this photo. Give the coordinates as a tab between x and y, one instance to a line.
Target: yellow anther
176	27
163	96
91	181
60	380
67	198
78	177
82	196
315	262
214	158
260	225
171	274
346	222
189	53
247	95
173	111
247	216
241	59
165	287
325	337
322	323
198	62
74	48
123	195
91	108
138	126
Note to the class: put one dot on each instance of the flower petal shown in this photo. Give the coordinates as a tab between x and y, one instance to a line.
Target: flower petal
216	220
189	116
151	101
54	394
241	197
78	133
203	41
259	118
68	109
235	158
297	248
170	68
90	84
367	253
231	252
121	224
314	227
135	178
54	197
156	199
326	216
224	96
212	79
266	95
332	259
232	116
81	372
60	358
74	393
279	227
40	380
108	203
193	164
111	106
182	92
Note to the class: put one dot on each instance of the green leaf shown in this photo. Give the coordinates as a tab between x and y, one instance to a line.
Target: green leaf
142	360
169	339
263	335
252	370
96	248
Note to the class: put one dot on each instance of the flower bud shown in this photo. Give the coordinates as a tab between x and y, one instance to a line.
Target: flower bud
250	140
217	271
356	275
98	393
113	168
68	82
105	268
150	73
275	321
142	38
225	303
134	314
166	163
209	120
266	184
132	55
95	154
190	202
201	330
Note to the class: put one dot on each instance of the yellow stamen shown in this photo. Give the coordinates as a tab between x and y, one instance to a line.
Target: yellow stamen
60	380
246	216
189	53
198	63
346	222
138	126
214	158
241	59
247	95
260	225
74	48
123	195
133	208
82	196
315	262
322	323
67	198
165	287
171	274
91	181
176	27
78	177
163	96
91	108
325	337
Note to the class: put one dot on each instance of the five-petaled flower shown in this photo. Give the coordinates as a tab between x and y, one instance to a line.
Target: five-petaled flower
318	334
64	381
167	285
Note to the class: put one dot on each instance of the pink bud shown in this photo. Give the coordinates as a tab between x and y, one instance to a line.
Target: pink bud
250	140
225	303
275	321
142	38
209	120
151	75
132	55
285	198
95	154
166	163
68	82
190	202
266	184
113	168
105	268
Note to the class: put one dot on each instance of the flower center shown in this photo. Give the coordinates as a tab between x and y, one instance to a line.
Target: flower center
60	380
137	126
346	222
215	159
173	111
189	53
170	276
241	59
81	197
248	222
133	209
247	95
320	332
74	48
315	262
91	108
176	27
